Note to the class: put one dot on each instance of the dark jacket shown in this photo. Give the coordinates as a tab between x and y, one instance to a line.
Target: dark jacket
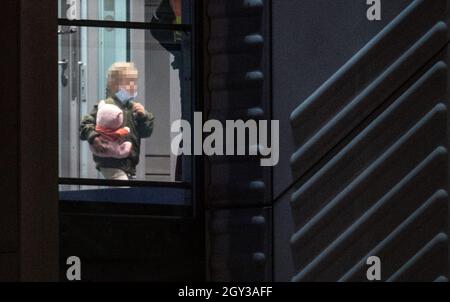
164	15
179	45
139	128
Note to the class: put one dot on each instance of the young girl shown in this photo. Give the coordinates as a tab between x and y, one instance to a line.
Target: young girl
121	91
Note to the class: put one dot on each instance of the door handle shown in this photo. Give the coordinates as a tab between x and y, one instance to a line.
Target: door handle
64	78
71	30
82	81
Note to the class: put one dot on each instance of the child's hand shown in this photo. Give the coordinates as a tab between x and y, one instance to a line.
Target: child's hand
138	109
98	145
122	132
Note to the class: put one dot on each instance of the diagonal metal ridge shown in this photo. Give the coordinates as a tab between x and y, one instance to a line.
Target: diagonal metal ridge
440	196
415	13
436	73
351	233
440	239
363	104
370	158
339	200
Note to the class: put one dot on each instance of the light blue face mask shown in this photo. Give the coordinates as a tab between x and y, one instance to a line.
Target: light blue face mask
124	97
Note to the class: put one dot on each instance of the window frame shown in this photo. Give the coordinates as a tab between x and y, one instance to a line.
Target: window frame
194	185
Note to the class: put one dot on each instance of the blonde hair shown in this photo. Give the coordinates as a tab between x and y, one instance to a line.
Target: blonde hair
117	71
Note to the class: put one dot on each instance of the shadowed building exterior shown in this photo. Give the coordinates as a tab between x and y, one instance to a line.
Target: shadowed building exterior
363	165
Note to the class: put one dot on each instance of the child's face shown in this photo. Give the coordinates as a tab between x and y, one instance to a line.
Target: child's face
128	81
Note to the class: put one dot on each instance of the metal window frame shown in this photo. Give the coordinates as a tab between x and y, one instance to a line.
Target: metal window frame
196	91
124	24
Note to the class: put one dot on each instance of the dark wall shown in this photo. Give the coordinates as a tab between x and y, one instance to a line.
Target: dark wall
29	207
38	141
9	227
132	248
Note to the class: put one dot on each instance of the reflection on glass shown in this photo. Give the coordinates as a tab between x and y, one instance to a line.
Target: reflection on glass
156	11
119	92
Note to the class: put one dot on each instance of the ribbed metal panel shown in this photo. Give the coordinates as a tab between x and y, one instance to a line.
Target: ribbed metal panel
238	189
383	192
238	89
241	245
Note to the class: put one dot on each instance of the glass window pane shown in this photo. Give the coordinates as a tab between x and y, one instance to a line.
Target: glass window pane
156	11
111	64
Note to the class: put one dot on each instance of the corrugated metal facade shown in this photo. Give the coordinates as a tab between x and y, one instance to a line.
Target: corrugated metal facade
387	185
363	167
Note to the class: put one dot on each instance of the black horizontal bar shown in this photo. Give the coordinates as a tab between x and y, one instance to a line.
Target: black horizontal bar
125	24
168	46
157	174
121	183
157	155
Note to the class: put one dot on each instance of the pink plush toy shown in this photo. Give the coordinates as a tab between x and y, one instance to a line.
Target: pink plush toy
109	126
